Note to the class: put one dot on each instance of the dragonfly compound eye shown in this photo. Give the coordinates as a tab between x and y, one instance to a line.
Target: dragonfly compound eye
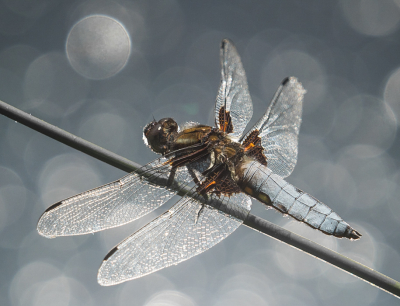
156	134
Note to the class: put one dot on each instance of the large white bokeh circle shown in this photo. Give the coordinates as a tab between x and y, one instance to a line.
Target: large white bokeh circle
98	47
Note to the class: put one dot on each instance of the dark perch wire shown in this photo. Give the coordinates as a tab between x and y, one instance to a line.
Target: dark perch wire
363	272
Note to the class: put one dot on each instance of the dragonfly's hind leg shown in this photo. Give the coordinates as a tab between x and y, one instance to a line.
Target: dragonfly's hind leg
199	211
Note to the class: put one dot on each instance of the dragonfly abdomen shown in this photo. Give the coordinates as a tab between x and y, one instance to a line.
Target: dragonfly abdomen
269	188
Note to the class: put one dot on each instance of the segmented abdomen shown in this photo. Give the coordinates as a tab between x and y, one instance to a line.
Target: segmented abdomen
261	183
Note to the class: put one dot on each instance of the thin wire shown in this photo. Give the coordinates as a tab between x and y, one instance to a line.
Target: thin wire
336	259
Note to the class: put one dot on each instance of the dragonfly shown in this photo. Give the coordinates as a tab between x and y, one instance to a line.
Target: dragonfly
211	168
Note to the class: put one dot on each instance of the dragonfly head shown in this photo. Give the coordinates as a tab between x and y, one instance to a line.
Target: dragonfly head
157	134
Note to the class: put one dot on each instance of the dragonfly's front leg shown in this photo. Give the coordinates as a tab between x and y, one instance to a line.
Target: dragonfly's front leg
171	176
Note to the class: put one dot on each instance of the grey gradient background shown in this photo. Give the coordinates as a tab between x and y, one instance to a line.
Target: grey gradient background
346	54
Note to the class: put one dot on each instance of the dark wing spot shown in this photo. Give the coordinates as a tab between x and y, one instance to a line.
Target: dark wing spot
53	206
285	80
110	253
223	44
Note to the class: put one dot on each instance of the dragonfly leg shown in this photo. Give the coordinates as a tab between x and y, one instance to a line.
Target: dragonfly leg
199	211
171	176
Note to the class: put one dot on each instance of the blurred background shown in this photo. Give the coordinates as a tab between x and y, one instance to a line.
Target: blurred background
103	69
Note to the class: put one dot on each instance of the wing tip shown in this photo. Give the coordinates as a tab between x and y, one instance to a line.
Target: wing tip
294	82
42	226
101	279
288	79
46	235
104	281
225	43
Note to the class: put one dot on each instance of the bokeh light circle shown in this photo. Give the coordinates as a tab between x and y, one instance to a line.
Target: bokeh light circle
370	17
392	92
170	297
98	47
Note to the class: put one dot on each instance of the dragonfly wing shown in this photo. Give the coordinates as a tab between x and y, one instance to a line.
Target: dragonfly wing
280	125
110	205
184	231
233	95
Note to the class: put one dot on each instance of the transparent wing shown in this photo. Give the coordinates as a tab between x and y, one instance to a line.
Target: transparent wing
175	236
233	92
280	125
111	205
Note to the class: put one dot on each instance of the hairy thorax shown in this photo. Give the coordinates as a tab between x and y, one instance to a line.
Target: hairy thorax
222	150
200	142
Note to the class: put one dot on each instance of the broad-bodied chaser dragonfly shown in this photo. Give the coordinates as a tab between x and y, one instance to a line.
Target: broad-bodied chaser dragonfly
216	164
